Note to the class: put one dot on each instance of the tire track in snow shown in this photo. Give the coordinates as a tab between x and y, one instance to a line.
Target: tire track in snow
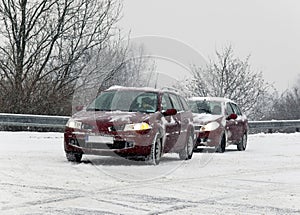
38	202
111	190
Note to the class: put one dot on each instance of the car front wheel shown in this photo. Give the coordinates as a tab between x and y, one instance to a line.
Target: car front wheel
187	152
241	146
221	147
156	151
74	157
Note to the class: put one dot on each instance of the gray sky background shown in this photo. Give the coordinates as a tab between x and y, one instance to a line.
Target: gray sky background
267	30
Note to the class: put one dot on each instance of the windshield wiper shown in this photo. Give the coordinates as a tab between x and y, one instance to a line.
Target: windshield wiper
118	110
203	110
96	109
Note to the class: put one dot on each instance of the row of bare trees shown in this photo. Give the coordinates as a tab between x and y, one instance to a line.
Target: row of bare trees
41	45
55	52
47	47
286	106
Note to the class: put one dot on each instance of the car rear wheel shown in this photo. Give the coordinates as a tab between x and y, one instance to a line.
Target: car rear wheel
222	145
187	152
241	146
74	157
155	154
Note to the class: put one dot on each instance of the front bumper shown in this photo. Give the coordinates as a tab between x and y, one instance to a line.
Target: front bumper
123	144
208	138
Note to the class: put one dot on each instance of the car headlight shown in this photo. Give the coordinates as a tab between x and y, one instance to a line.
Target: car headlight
137	127
210	126
74	124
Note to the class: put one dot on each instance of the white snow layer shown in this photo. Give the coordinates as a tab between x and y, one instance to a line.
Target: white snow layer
35	178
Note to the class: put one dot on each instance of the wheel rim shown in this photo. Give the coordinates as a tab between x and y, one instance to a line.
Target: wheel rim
223	145
221	148
190	146
244	141
157	152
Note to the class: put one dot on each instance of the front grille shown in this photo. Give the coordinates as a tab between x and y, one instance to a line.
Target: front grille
197	127
116	128
118	145
115	145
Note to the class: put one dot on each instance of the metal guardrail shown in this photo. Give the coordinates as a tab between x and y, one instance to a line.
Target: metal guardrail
274	126
21	122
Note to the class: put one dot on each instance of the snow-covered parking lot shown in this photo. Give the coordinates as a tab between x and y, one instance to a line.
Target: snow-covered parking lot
35	178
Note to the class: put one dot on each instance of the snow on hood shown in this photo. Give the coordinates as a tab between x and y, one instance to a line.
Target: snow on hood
204	118
111	116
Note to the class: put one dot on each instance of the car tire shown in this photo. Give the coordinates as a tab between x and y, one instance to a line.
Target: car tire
221	147
241	146
187	152
74	157
155	153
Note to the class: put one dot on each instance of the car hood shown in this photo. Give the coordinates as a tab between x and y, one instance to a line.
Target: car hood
204	118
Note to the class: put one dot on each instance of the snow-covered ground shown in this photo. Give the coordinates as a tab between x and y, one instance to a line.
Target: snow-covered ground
35	178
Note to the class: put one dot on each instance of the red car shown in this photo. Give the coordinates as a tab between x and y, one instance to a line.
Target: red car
132	122
218	122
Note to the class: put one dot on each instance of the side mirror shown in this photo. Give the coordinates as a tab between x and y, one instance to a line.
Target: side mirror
169	112
232	116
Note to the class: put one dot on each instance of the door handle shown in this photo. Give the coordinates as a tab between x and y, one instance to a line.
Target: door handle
176	120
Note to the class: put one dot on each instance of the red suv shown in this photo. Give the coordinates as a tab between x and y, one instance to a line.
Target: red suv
218	123
132	122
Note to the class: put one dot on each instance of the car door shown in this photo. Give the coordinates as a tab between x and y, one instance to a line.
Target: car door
240	122
186	118
182	123
230	128
170	123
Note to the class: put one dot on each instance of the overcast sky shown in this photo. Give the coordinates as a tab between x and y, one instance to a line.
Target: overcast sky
268	30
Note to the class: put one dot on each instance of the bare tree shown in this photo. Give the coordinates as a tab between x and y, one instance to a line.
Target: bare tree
265	105
118	64
229	77
137	69
42	43
287	106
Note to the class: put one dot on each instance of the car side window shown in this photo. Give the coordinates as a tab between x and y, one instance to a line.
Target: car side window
184	104
176	103
229	109
166	102
236	109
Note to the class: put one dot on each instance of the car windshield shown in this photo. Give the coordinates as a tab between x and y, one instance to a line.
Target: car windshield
204	106
125	100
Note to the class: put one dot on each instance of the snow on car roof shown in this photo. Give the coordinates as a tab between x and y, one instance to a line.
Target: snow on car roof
219	99
116	87
151	89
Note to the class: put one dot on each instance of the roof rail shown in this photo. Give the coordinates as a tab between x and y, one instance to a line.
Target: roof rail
170	89
114	87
